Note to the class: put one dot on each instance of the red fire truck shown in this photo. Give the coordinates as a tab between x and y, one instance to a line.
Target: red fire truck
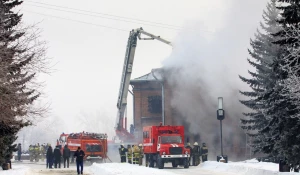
164	144
93	144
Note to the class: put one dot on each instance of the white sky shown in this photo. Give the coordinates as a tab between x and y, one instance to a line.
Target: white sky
88	59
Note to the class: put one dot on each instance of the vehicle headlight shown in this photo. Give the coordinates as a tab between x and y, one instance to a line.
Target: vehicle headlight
186	152
164	153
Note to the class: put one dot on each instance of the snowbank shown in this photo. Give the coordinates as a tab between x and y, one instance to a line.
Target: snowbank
16	170
125	169
249	167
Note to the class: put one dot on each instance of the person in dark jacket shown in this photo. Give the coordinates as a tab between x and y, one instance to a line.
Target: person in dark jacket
19	152
191	152
57	156
204	152
196	154
66	156
49	157
122	151
79	154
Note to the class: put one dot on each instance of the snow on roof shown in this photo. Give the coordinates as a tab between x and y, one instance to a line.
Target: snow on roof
154	75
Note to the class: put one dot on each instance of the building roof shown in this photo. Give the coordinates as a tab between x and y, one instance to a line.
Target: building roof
154	75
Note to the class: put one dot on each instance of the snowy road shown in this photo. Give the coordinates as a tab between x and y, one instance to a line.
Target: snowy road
194	171
249	167
39	168
115	169
128	169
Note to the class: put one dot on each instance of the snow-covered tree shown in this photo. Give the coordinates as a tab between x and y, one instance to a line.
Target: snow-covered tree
262	80
284	123
21	57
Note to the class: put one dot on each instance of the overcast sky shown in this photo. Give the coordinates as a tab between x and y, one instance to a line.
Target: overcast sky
88	55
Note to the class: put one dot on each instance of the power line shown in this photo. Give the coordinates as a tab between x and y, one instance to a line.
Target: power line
101	17
105	14
98	25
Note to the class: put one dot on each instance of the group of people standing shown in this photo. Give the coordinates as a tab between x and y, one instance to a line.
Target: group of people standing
197	152
133	153
37	152
54	157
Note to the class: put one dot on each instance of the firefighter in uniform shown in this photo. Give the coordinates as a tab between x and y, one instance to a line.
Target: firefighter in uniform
204	152
141	154
31	153
196	154
129	154
122	152
136	154
42	152
37	152
191	152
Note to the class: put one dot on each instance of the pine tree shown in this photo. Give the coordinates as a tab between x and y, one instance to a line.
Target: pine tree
262	81
283	112
19	58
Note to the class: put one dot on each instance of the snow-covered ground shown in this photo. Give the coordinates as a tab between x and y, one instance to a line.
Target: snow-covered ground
249	167
17	170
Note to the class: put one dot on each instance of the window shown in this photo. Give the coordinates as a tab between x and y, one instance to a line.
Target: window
154	104
93	148
171	139
146	134
62	139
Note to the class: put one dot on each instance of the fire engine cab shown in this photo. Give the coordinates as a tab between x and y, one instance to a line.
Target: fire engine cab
93	144
164	144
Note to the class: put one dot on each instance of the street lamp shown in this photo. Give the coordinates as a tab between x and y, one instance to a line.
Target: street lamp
221	116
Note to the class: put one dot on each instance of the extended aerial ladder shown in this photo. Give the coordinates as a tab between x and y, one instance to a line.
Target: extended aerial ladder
121	130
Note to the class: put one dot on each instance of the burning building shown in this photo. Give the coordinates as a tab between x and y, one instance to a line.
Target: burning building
158	99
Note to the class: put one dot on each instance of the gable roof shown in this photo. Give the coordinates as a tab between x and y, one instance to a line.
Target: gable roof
155	75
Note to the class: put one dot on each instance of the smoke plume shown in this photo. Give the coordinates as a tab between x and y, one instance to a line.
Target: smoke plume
204	66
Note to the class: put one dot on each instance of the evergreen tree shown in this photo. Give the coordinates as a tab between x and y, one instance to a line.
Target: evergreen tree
19	58
262	81
283	111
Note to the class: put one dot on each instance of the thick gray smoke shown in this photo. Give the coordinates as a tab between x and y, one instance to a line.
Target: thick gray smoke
204	68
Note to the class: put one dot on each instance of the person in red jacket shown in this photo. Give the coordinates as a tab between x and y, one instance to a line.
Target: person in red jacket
79	154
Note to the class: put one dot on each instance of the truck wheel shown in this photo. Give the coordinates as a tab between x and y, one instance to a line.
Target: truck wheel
174	164
186	163
160	163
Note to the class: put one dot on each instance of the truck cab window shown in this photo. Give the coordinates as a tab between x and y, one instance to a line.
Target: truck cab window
171	139
63	138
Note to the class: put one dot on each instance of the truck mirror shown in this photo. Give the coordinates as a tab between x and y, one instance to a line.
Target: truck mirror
187	139
153	140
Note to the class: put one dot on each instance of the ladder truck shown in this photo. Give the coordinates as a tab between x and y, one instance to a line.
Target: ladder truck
121	123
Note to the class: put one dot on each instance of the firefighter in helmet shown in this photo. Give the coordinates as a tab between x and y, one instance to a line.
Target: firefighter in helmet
141	154
122	151
196	154
31	153
42	151
136	154
204	152
129	154
191	152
